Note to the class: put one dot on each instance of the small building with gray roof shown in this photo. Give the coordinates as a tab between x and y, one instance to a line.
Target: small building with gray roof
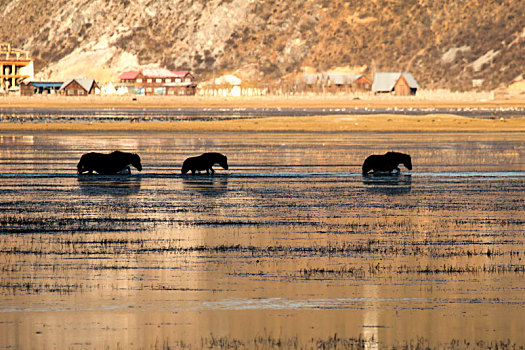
79	87
398	84
336	82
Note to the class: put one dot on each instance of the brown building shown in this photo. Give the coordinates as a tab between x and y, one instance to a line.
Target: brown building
398	84
160	81
79	87
336	83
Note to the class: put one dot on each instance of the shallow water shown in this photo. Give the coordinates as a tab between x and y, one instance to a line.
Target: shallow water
51	115
291	246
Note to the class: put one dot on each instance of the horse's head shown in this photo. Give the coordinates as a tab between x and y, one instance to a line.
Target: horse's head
366	168
223	162
408	162
80	167
135	161
186	166
403	158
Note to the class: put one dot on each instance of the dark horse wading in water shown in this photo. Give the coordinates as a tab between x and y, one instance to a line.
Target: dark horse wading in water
387	162
204	162
108	164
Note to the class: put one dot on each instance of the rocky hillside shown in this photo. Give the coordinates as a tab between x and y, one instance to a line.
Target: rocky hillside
444	43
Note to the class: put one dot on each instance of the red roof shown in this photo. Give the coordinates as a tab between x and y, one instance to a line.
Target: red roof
129	75
154	73
181	73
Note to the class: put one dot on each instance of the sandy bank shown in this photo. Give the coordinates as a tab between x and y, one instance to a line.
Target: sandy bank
381	122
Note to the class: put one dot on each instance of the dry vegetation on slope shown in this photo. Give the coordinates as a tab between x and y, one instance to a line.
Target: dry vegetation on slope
444	43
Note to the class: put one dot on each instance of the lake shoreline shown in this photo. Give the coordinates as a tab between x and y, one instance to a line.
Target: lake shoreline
393	114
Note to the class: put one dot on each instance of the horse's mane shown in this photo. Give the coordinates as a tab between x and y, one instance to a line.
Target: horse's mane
398	155
120	153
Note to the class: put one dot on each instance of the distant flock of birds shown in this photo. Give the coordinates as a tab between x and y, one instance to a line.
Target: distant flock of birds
118	162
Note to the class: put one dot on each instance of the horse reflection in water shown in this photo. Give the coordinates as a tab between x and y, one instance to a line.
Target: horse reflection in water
113	185
389	184
206	186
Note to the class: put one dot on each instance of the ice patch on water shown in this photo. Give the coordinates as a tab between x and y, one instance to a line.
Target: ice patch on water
297	304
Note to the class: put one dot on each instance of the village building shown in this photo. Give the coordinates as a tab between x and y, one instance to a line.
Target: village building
398	84
15	66
230	85
79	87
335	83
159	81
40	88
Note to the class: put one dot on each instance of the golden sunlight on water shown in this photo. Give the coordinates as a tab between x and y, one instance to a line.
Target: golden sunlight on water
290	247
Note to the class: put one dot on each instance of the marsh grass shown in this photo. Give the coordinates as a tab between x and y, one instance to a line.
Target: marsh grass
270	342
334	342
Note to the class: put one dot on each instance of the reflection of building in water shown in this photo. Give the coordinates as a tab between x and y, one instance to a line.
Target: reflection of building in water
15	66
118	142
371	317
24	140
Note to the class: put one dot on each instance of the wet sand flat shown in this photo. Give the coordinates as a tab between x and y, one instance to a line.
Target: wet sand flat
290	247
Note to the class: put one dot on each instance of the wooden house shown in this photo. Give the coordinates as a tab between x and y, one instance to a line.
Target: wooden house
79	87
160	81
336	83
312	83
361	84
398	84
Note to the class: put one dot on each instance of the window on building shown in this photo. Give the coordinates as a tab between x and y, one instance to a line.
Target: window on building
80	92
139	80
178	80
168	80
158	80
71	92
150	80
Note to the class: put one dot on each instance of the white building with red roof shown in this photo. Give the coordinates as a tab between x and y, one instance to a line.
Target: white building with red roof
160	81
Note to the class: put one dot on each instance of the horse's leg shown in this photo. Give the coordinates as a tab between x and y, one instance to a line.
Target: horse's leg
125	171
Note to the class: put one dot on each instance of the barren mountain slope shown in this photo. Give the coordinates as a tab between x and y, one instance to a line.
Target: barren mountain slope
444	43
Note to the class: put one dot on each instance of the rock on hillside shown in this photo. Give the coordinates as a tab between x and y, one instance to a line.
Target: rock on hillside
444	43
